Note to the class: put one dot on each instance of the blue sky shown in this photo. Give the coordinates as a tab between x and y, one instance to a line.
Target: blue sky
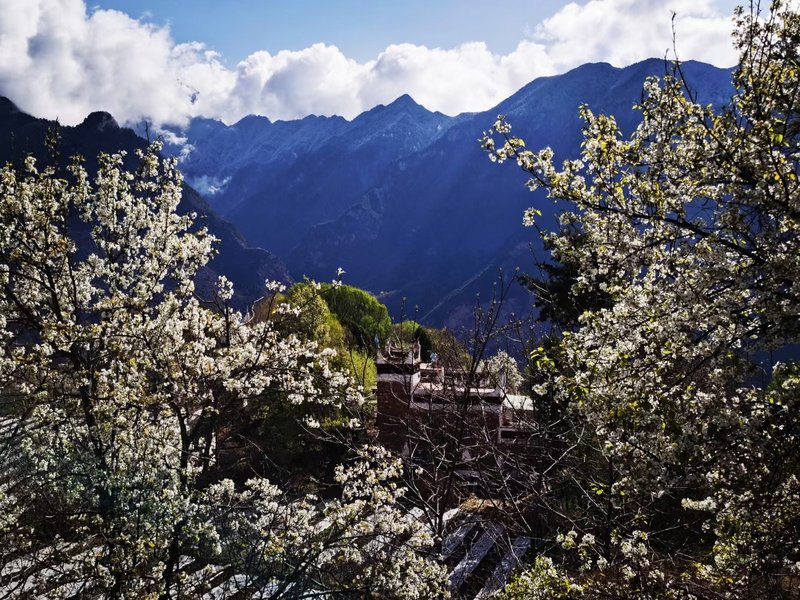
170	60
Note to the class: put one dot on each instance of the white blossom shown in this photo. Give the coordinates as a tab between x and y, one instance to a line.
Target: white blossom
122	380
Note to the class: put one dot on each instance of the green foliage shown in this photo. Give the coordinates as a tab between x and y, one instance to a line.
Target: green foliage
408	332
542	581
289	453
363	317
295	451
316	321
363	368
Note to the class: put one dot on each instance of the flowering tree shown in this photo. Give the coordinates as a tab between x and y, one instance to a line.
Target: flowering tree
691	230
116	384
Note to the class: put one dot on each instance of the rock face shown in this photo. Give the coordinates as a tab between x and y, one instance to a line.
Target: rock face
22	134
402	198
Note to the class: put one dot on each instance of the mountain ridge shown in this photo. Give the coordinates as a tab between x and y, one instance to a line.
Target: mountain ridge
22	134
401	203
401	197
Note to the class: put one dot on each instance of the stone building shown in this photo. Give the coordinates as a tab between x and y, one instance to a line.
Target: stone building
421	403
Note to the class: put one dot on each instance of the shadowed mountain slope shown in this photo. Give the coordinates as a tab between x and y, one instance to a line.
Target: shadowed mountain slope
405	199
22	135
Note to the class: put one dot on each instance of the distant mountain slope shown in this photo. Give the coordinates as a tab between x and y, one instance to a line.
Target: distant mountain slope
404	199
296	174
22	134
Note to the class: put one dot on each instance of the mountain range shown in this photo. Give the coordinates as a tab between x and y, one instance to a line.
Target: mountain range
402	198
22	135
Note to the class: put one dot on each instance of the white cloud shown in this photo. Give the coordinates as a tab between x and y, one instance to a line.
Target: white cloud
467	78
58	60
318	80
624	31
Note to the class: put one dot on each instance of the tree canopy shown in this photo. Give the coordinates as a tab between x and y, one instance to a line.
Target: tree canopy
120	390
690	228
365	319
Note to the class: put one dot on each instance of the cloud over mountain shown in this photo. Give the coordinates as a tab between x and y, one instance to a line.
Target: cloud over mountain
60	59
622	32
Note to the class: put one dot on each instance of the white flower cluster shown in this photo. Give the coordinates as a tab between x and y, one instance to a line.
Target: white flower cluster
360	543
690	228
119	380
